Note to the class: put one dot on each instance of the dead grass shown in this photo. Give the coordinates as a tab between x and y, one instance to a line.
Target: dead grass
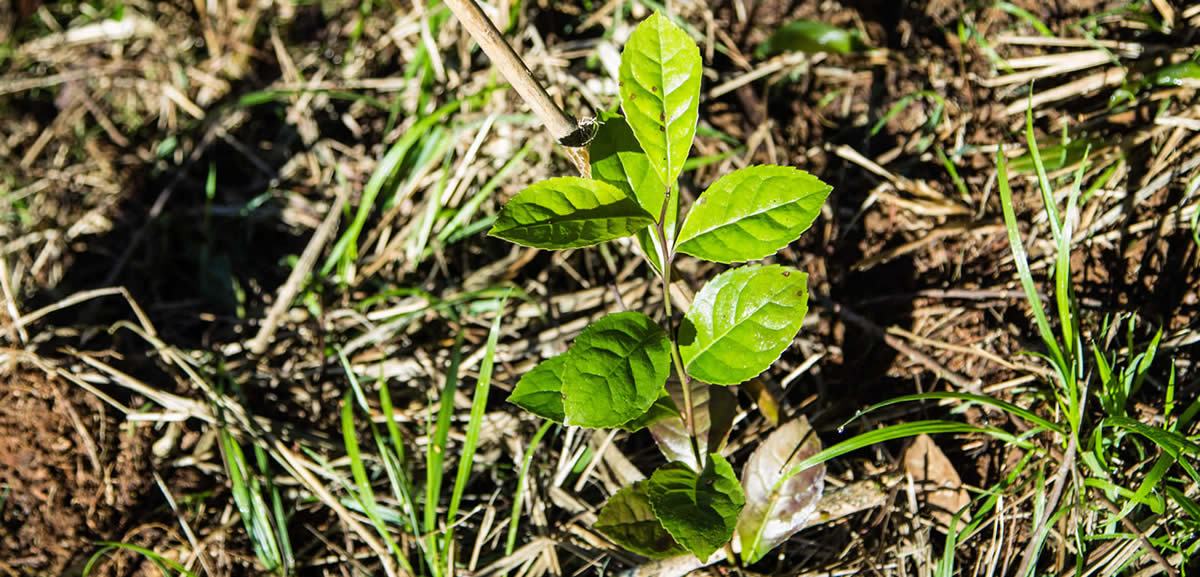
216	162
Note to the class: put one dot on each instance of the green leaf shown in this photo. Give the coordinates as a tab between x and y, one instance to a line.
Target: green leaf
660	92
741	321
713	409
617	370
569	212
811	36
699	511
775	511
628	520
752	213
664	408
618	160
540	390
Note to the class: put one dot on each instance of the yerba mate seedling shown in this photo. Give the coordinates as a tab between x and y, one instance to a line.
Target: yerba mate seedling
617	373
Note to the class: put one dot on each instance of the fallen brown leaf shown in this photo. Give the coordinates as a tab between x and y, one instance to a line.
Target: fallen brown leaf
936	478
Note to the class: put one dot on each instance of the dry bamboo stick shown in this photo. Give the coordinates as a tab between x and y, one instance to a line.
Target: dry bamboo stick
561	126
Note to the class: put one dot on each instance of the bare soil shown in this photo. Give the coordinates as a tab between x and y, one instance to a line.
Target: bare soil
71	475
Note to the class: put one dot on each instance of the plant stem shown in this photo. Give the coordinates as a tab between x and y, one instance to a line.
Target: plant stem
667	258
561	126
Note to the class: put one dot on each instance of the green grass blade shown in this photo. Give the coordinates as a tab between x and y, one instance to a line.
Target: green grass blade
433	205
968	397
435	453
1173	443
248	499
952	170
900	431
363	491
1027	16
165	565
358	469
1043	182
1064	292
467	455
945	565
469	208
395	450
345	250
1021	260
515	520
1189	506
393	454
1148	485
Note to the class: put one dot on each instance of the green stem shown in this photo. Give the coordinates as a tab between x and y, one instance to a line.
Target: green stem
667	259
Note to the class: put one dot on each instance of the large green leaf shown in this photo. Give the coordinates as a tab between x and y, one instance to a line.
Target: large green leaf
776	510
569	212
629	521
699	511
752	213
540	391
616	371
660	92
618	159
741	321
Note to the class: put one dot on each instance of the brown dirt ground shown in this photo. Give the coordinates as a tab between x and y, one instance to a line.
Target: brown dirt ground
71	475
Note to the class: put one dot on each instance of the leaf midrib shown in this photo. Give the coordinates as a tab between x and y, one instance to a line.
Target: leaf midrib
746	216
662	85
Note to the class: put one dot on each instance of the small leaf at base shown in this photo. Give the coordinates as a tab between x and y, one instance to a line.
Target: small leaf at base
699	511
713	409
628	520
773	514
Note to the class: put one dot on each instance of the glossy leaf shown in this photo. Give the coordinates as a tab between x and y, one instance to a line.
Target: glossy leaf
775	511
741	321
617	369
811	36
699	511
713	409
569	212
628	520
660	92
540	390
618	159
752	213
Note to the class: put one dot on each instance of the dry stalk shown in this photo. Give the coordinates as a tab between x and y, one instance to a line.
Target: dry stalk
562	126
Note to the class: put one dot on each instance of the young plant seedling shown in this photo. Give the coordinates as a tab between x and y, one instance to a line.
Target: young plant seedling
617	373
